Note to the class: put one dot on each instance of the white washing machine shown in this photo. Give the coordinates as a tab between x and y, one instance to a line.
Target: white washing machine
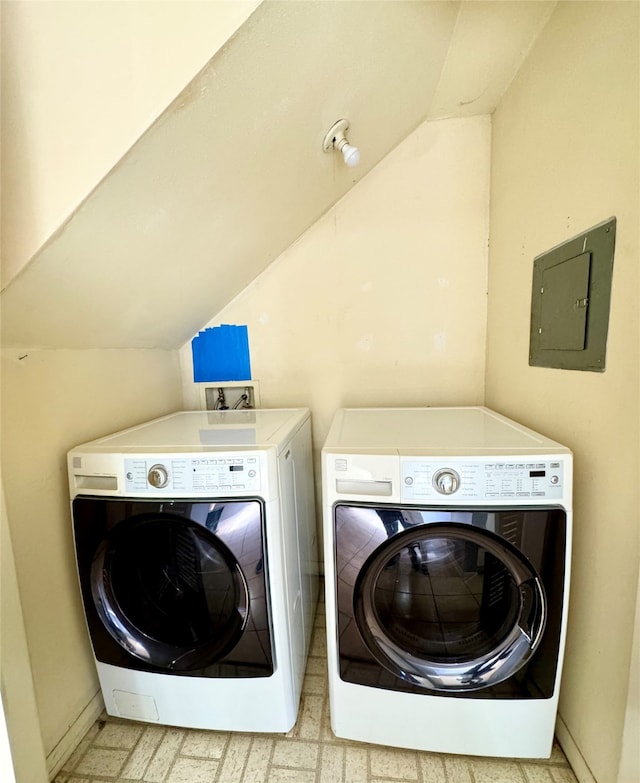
447	550
196	550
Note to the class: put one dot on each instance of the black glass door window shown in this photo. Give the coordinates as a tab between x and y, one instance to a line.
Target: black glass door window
177	586
450	601
450	607
169	592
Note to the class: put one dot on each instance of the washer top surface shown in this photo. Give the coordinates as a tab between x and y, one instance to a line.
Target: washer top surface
455	430
204	430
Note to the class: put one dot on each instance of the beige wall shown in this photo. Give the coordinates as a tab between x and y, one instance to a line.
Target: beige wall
23	761
565	157
51	401
81	81
629	770
383	300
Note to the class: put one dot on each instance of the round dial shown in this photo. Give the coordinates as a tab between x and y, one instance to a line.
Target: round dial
158	476
446	481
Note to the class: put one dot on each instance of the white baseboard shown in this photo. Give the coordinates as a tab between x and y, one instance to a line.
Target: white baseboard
73	735
572	752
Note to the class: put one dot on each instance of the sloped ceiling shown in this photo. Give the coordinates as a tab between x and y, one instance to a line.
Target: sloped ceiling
233	171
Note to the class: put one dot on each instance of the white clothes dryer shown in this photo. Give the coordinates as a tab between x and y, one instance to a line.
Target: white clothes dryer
196	551
447	535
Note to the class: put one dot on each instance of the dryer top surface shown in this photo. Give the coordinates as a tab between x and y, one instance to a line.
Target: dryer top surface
456	430
205	430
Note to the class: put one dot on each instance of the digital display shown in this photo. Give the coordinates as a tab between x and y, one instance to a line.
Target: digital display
537	473
236	467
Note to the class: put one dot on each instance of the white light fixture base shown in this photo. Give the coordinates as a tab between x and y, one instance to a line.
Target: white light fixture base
336	140
334	135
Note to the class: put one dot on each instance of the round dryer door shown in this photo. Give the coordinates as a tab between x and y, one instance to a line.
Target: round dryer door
450	607
169	592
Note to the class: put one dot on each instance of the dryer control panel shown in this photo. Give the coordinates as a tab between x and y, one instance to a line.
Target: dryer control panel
239	472
428	480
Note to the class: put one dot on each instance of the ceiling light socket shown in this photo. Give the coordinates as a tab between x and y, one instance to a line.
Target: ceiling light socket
335	134
336	140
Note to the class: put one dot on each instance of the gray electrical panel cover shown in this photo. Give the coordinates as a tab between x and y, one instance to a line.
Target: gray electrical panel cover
570	299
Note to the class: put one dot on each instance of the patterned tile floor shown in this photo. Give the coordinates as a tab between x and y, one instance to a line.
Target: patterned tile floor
118	751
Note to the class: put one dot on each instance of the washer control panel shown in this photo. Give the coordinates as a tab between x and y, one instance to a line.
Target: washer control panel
427	480
239	472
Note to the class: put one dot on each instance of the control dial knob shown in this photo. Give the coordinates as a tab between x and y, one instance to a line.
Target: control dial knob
446	481
158	476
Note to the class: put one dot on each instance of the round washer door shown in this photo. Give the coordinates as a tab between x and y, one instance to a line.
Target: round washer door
450	607
169	592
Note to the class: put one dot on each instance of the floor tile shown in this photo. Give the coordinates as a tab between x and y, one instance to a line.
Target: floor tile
317	666
432	768
141	757
557	756
163	758
205	744
278	775
118	735
310	719
356	764
493	771
300	755
391	763
536	773
314	683
332	764
74	779
258	761
562	775
82	748
235	759
99	761
457	769
193	771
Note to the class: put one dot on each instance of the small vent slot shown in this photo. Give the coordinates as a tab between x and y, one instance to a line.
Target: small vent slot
510	527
